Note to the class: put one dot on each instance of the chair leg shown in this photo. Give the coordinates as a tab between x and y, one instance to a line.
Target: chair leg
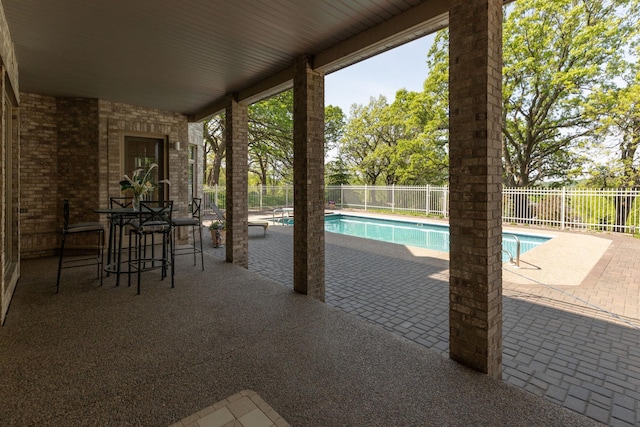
101	254
60	262
139	255
193	233
129	257
119	249
201	253
172	259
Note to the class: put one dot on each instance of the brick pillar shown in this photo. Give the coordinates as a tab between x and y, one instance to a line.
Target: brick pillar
236	133
475	127
308	179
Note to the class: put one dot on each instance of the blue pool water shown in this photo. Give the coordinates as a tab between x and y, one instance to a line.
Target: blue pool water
423	235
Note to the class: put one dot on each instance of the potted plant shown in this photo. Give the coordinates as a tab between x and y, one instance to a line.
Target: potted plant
217	229
140	184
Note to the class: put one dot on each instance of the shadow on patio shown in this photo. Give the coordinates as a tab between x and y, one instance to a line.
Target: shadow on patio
102	355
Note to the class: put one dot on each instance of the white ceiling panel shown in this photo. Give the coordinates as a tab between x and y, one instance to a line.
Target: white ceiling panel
185	56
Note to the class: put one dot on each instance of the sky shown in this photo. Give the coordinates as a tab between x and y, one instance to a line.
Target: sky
384	74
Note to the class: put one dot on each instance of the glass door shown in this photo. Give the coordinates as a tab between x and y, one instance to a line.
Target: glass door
142	152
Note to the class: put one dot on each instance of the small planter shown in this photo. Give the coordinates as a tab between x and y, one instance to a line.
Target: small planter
332	204
218	237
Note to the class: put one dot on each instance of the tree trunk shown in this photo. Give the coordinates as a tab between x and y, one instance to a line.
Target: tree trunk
623	203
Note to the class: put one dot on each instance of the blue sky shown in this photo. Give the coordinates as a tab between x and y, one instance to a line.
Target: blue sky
384	74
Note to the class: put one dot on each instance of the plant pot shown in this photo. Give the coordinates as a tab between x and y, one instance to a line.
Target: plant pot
218	237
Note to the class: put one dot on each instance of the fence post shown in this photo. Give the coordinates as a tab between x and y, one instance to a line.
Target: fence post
215	195
365	197
393	198
341	196
260	190
562	205
428	201
445	198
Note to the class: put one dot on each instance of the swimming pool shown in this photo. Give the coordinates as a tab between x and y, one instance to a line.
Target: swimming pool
423	235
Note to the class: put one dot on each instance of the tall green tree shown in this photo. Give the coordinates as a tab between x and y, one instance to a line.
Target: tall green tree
337	172
214	149
270	135
334	123
419	156
369	140
422	157
618	110
271	138
556	52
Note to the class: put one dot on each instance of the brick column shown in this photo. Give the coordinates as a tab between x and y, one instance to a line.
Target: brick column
475	126
308	177
236	134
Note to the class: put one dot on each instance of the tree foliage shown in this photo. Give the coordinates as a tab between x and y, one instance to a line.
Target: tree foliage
556	54
618	110
398	143
569	84
368	141
271	138
334	123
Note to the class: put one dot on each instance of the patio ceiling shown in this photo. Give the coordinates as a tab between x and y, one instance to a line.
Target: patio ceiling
186	56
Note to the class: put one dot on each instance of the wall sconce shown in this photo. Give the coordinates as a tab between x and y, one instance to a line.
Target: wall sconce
176	145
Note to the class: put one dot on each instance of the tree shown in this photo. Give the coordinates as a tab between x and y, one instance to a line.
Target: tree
271	138
334	123
368	141
337	173
422	157
270	135
555	53
618	110
214	148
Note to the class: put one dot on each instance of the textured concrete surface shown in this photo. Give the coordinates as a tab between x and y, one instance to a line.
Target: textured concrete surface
104	356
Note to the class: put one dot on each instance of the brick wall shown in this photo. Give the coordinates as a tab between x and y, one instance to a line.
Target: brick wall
39	176
119	120
71	148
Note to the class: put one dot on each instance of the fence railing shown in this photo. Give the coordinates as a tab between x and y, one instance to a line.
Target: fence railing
563	208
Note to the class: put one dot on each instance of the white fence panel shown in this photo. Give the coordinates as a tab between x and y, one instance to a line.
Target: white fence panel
564	208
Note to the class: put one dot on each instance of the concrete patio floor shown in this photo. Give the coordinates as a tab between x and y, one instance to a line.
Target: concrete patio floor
96	355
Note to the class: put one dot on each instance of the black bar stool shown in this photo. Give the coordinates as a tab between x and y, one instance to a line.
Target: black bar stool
193	222
77	229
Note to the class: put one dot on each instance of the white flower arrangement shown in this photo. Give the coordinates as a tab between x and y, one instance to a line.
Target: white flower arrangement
140	182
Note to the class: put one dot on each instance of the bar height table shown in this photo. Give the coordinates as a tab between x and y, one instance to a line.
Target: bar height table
118	218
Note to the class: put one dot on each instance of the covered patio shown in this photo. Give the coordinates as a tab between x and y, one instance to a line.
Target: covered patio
103	356
84	81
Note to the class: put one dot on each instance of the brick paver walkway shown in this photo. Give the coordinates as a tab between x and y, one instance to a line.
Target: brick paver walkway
576	346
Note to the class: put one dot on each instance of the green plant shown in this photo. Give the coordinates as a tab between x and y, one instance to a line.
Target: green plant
217	225
141	181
